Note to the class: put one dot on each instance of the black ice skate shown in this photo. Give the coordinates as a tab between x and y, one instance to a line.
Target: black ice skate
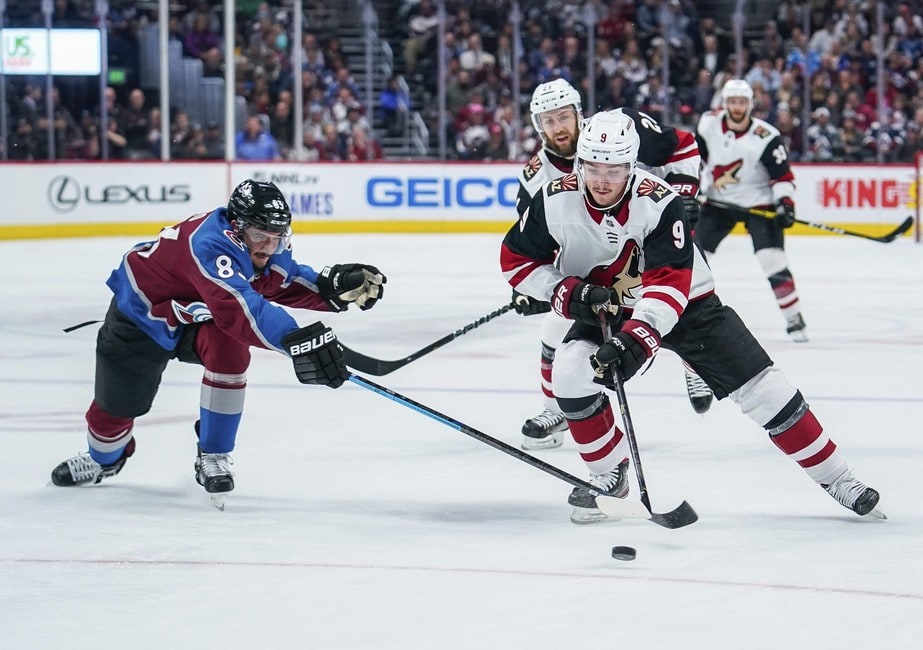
797	329
213	472
543	431
613	483
82	470
855	495
700	395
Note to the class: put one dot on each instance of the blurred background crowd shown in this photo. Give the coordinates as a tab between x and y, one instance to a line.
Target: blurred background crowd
399	79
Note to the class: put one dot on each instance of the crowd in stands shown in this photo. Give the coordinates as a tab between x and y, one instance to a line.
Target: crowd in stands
833	67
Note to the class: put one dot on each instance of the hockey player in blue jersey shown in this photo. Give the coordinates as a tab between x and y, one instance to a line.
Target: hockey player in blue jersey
206	291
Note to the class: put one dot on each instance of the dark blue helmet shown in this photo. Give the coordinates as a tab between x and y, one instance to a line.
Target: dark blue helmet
261	205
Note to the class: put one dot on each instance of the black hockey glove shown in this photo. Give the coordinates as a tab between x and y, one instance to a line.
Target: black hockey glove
627	351
317	355
785	212
342	284
693	209
687	188
580	301
529	306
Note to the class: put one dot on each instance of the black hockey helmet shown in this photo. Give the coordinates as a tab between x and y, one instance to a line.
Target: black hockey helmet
260	205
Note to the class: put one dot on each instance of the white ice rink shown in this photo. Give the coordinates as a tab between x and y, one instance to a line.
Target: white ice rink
359	523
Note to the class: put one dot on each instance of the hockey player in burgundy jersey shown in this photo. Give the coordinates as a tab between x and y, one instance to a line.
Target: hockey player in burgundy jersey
614	238
746	164
670	153
203	292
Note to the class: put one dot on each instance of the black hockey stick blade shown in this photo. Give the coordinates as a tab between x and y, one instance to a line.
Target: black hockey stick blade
768	214
378	367
897	232
611	506
681	515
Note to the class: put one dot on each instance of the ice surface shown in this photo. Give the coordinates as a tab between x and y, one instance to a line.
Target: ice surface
359	523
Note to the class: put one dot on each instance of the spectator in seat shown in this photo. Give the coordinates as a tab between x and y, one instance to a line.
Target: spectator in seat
420	28
254	143
331	147
395	105
214	141
497	147
472	139
362	146
200	40
136	125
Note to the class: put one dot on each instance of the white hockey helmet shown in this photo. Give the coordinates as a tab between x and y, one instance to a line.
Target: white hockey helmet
610	137
737	88
551	95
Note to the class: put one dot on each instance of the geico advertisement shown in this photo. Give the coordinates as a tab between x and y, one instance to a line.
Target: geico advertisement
47	193
369	191
855	193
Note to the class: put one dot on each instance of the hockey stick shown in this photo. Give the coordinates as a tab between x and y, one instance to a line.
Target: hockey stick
378	367
768	214
611	506
681	515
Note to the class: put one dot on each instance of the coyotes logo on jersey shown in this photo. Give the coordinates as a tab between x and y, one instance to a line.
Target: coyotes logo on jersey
564	184
623	275
531	168
653	189
725	175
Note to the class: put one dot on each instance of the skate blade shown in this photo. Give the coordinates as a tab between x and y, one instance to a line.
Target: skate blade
549	442
218	500
876	513
584	516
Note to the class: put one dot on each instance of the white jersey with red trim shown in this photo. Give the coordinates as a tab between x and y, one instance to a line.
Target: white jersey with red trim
642	248
749	169
542	168
665	151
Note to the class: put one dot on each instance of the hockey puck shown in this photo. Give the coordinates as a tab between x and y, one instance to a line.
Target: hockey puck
625	553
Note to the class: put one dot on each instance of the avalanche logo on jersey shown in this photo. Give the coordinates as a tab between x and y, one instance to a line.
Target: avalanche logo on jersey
230	234
725	175
653	189
531	168
564	184
194	312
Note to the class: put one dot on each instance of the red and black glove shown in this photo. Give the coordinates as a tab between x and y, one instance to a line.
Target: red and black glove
627	351
785	212
580	301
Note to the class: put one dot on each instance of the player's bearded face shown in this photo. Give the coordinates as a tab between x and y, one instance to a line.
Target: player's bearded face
263	245
737	110
605	183
560	127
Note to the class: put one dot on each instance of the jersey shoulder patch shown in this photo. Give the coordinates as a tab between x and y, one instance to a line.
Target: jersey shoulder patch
531	168
564	184
762	132
653	189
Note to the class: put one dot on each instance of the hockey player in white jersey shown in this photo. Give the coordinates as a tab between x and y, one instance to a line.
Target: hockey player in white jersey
670	153
614	238
746	165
